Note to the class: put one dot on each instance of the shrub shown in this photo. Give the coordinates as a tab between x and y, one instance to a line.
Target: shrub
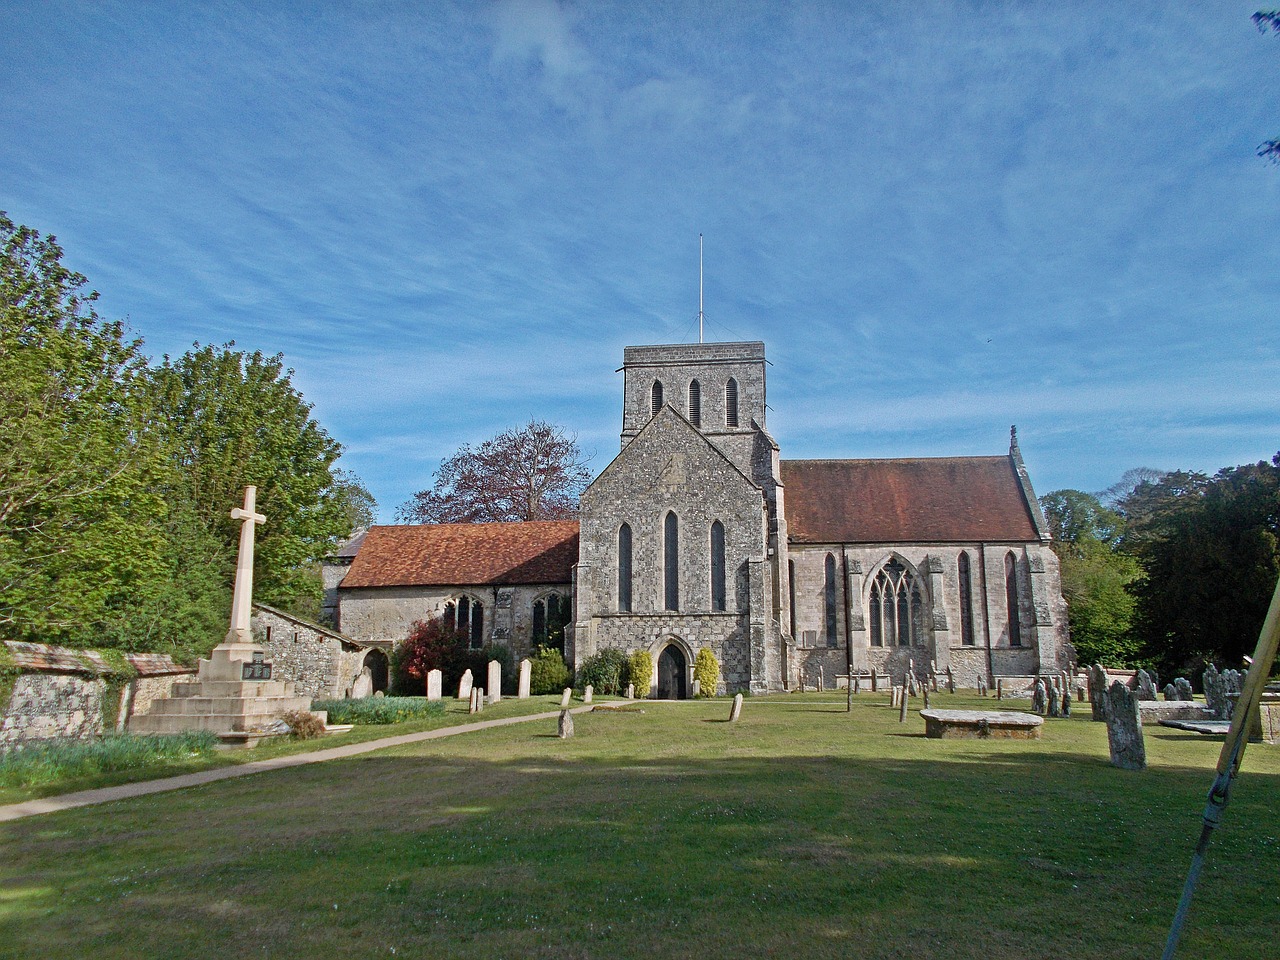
706	670
430	645
379	710
303	724
641	673
548	673
605	671
40	763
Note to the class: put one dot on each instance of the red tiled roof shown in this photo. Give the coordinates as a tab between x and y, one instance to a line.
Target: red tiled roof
936	500
465	554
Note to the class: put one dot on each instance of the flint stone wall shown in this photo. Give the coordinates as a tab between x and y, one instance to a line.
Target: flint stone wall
321	663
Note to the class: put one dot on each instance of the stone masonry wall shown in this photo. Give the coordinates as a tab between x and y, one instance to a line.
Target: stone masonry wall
53	706
311	659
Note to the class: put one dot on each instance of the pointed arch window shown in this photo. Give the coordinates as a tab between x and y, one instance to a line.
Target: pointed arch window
671	562
655	398
966	600
550	614
624	569
897	607
829	601
466	615
717	566
1011	598
731	403
695	403
791	593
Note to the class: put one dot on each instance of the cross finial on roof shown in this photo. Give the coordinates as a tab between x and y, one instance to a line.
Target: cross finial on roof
1013	441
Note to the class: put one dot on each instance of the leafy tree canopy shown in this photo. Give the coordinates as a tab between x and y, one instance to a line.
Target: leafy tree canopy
1268	20
534	472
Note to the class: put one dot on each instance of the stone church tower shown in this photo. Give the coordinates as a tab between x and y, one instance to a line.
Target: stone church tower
681	533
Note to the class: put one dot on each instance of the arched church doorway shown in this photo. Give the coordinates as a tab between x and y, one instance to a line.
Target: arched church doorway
673	673
376	666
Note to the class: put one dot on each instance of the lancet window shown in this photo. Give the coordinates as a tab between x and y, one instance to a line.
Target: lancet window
1011	597
897	607
966	600
671	562
466	615
731	403
829	602
717	567
655	398
550	614
624	569
695	403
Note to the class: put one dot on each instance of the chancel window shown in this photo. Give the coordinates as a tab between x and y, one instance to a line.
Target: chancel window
624	569
896	607
655	398
829	602
466	615
695	403
717	566
731	403
550	615
671	562
966	601
1011	598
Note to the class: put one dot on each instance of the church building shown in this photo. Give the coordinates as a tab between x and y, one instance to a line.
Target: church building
698	534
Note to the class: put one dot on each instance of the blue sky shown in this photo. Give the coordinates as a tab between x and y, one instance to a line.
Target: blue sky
941	218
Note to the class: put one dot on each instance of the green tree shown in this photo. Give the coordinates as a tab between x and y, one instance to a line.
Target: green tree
1268	20
231	418
81	512
1095	576
1209	570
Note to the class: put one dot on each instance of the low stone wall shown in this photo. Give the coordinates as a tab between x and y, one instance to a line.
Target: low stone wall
51	707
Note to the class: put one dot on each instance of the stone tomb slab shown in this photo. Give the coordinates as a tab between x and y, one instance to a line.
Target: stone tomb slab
974	724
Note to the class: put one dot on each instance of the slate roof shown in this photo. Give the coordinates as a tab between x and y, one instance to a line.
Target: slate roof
925	500
45	658
466	554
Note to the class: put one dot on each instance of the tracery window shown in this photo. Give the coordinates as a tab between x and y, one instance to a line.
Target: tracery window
466	615
1011	597
695	403
671	562
717	566
655	398
897	607
731	403
550	614
624	569
966	600
791	593
829	601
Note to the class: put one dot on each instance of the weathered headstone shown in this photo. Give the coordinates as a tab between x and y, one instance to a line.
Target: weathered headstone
857	684
1182	686
465	685
1215	693
565	697
1098	691
893	696
1124	728
982	686
999	689
1038	699
526	672
631	691
565	729
951	681
822	682
902	704
874	680
434	681
1170	693
495	681
1146	686
697	688
587	693
1066	702
736	710
925	692
1055	698
474	701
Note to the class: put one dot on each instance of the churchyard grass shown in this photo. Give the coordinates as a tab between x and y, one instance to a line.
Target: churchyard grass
79	776
800	830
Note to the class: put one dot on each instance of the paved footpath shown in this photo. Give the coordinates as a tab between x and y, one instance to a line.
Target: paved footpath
85	798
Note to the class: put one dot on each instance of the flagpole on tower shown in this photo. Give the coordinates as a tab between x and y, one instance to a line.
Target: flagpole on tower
700	313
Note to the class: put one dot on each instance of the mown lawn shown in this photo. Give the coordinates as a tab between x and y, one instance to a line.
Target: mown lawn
801	831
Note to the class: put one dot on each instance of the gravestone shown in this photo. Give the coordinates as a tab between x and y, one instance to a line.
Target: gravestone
565	729
1124	729
1146	686
822	683
999	689
982	686
1215	693
857	684
925	692
736	710
697	688
1183	687
587	693
951	681
1170	693
874	679
474	701
1038	699
1098	691
1055	698
631	691
1066	702
465	686
564	697
526	671
434	680
495	681
902	703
